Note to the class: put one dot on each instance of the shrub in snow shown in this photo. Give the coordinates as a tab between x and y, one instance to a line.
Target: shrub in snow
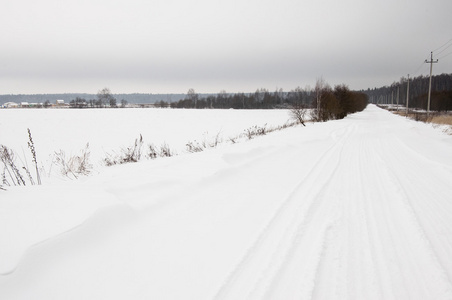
75	165
194	147
127	155
255	131
298	112
152	152
165	151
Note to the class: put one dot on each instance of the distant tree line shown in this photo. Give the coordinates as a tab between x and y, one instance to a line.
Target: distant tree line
260	99
327	103
439	101
441	97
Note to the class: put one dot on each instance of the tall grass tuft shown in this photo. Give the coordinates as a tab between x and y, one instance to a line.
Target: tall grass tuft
8	160
31	146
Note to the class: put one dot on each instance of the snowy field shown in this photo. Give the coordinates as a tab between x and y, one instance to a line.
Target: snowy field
109	130
359	208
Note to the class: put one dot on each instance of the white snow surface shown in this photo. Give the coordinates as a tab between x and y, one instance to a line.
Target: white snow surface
359	208
107	131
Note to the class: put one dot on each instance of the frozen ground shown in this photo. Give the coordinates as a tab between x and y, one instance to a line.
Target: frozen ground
359	208
109	130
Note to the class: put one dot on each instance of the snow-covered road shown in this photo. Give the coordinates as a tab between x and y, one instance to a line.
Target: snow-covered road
359	208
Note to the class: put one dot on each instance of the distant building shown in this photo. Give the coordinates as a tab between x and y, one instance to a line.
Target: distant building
145	105
24	104
10	105
61	104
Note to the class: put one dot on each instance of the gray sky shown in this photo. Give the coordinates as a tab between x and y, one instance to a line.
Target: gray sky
160	46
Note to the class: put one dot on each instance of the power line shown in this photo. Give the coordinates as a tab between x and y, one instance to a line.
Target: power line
442	45
417	70
445	55
443	49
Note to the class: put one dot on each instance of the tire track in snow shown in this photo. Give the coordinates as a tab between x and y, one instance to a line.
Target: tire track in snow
373	240
321	203
389	249
297	211
374	279
401	258
381	247
417	235
352	227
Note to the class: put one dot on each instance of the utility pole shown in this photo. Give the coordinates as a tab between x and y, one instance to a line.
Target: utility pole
430	82
407	94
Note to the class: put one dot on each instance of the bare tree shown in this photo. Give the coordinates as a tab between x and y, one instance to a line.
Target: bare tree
104	96
318	90
298	110
325	103
113	102
222	98
278	96
193	97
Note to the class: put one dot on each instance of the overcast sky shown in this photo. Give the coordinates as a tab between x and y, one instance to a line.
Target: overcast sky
169	46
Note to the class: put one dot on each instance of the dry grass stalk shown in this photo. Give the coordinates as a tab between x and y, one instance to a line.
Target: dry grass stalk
442	119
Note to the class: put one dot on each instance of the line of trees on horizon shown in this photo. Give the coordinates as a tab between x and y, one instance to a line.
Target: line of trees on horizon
325	102
441	96
338	102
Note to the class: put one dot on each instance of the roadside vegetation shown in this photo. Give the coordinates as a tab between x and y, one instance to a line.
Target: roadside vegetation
437	119
19	173
16	171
